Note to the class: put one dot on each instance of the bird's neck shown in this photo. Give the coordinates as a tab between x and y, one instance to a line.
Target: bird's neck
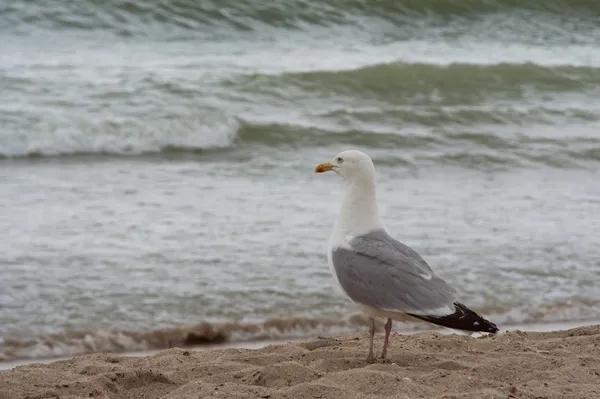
359	213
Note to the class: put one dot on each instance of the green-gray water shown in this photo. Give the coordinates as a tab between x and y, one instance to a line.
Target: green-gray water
156	162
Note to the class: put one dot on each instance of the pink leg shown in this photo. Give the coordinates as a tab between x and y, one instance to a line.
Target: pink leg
371	357
388	329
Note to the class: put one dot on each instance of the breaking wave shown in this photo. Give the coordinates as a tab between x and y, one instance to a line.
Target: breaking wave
116	341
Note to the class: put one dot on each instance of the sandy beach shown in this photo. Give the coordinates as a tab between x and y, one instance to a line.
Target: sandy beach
166	235
513	364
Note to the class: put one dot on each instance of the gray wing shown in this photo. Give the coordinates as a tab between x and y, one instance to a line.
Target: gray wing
381	272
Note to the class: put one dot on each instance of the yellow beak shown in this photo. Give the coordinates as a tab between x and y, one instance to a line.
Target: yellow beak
324	167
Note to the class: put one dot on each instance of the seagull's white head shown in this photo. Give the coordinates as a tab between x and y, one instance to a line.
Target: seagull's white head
353	165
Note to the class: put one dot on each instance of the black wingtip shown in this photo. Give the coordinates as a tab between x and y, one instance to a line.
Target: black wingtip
462	319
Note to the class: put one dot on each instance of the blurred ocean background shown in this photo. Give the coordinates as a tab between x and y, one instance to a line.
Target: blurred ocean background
157	157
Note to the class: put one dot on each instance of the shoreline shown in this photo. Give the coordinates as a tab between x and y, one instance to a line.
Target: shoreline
534	327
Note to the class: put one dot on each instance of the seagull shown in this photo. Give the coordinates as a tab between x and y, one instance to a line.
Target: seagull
385	278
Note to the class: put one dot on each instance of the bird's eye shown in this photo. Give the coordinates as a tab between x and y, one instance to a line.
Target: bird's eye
339	160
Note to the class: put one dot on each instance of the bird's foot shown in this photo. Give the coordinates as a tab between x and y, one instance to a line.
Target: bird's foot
383	359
